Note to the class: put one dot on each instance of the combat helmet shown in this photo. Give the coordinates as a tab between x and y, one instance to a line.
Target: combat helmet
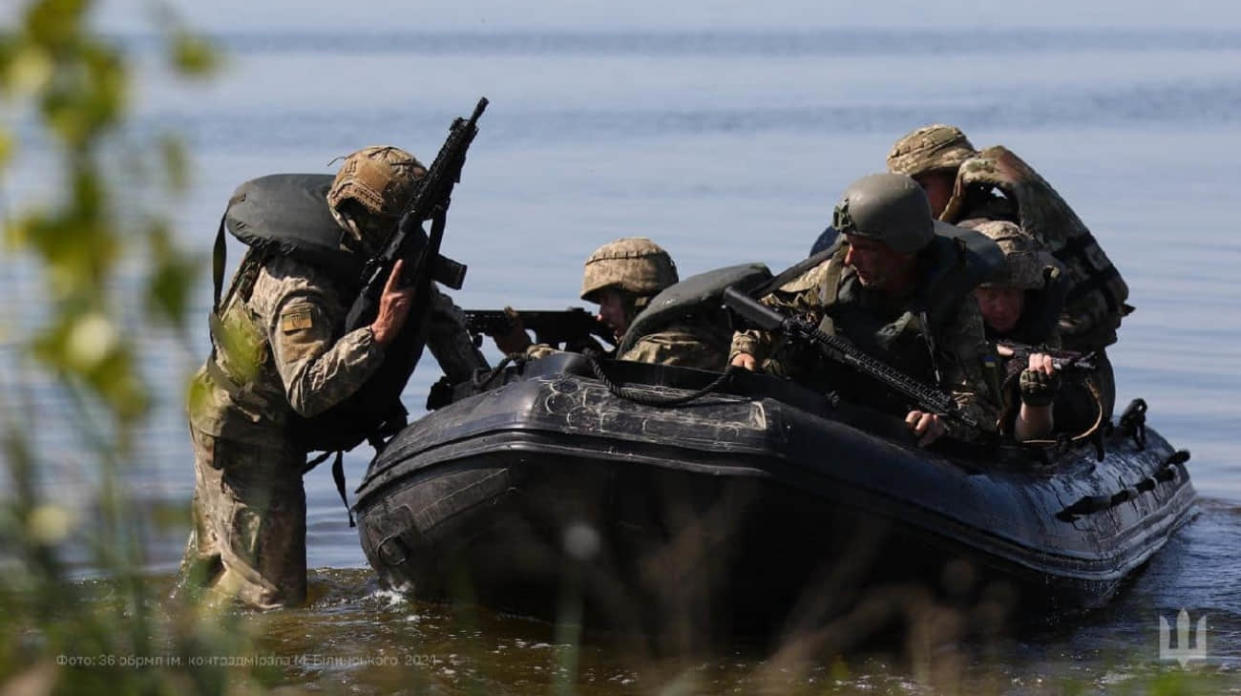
634	265
888	208
928	149
1025	259
381	180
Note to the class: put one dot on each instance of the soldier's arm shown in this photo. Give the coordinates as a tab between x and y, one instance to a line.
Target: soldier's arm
961	354
449	341
798	296
317	372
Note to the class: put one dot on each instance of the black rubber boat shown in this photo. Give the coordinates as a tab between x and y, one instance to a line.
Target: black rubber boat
758	506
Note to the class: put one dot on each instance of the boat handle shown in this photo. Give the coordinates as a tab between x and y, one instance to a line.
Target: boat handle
1098	503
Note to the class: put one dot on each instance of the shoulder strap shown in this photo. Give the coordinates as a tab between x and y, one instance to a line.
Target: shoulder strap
831	281
795	270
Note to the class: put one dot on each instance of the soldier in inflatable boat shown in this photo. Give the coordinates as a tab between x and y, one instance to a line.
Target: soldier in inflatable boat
279	364
1045	389
995	184
683	326
898	286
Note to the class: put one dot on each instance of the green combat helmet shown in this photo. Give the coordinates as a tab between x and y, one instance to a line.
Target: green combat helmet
1025	259
930	148
634	265
888	208
372	189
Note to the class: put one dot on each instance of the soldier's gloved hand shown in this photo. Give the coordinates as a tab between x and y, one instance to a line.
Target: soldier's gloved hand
394	306
1039	382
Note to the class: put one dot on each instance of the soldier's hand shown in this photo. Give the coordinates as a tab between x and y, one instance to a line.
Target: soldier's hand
745	361
1039	382
394	306
927	427
515	340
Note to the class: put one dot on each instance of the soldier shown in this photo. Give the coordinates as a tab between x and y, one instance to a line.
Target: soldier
621	277
894	288
276	360
962	185
1020	309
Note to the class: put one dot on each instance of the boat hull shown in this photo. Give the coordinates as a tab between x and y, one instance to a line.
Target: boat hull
763	509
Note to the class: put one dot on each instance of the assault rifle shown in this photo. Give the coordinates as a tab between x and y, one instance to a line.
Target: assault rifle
374	412
410	242
925	397
569	327
1061	360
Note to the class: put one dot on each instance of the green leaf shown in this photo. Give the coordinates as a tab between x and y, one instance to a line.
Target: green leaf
193	56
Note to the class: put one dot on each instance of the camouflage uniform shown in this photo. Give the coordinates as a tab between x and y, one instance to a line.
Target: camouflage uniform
1096	301
276	358
1029	267
893	210
689	344
961	347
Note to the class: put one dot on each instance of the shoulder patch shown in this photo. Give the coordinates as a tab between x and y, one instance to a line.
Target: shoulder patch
810	279
296	320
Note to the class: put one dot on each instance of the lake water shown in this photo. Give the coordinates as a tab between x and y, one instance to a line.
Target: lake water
724	147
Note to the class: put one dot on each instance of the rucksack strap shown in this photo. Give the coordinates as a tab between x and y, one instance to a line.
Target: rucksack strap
795	270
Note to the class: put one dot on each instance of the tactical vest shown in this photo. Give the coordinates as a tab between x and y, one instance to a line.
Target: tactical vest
1095	302
287	214
951	266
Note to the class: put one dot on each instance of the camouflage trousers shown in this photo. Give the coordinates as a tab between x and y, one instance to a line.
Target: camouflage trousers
248	540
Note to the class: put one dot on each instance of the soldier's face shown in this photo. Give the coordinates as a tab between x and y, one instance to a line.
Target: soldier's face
612	311
876	264
1001	307
938	186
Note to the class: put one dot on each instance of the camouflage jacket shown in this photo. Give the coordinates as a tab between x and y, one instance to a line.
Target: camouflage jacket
961	351
1096	301
279	349
683	345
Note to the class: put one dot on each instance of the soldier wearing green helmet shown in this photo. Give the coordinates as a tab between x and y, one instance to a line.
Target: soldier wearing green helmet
894	287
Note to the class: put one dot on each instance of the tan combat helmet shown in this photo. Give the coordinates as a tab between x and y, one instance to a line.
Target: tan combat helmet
888	208
635	265
1025	259
381	180
930	148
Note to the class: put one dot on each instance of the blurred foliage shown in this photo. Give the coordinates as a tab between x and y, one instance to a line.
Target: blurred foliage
66	93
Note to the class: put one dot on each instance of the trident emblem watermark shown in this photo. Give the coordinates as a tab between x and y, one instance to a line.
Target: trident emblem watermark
1182	653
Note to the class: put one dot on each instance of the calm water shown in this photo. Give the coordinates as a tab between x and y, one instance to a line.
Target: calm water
723	147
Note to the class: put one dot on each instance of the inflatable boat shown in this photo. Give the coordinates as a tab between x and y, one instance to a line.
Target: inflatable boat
651	495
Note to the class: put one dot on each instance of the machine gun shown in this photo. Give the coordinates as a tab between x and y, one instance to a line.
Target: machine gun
925	397
570	327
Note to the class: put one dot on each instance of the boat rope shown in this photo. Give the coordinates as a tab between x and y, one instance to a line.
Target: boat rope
483	377
649	399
